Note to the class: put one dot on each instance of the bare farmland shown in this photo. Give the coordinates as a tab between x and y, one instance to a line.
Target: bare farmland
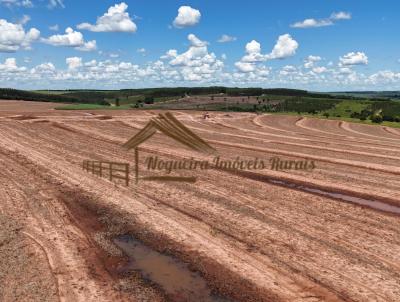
265	236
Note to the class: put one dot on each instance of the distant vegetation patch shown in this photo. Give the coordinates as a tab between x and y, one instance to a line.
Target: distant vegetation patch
307	104
14	94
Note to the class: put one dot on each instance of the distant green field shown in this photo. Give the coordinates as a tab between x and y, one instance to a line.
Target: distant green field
346	107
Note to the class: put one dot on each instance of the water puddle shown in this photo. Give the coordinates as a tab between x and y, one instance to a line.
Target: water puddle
172	275
378	205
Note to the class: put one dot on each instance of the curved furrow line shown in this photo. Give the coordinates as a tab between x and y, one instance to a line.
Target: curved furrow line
134	125
346	126
382	168
295	144
391	130
353	163
338	150
300	124
362	141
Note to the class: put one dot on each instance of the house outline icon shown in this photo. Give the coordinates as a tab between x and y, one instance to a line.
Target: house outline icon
169	125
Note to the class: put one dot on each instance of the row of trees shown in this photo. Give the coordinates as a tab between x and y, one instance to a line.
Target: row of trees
215	90
14	94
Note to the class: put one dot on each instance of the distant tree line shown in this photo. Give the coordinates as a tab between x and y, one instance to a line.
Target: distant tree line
297	100
14	94
214	90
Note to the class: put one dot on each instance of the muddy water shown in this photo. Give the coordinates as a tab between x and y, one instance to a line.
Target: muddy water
378	205
172	275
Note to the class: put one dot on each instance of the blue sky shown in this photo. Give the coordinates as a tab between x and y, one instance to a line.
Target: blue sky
315	45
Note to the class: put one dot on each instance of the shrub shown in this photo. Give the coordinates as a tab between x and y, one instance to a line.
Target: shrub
149	100
388	118
377	118
355	115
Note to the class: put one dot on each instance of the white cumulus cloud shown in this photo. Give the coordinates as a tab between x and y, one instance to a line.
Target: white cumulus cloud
13	36
253	53
88	46
288	70
311	22
319	69
310	60
187	16
47	68
196	42
353	58
71	38
245	66
196	64
200	68
10	65
73	62
285	47
307	23
116	19
384	76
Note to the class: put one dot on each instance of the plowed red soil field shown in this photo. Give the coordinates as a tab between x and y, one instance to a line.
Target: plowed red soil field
330	234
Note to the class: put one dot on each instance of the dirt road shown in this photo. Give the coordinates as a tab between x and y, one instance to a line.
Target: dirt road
266	236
